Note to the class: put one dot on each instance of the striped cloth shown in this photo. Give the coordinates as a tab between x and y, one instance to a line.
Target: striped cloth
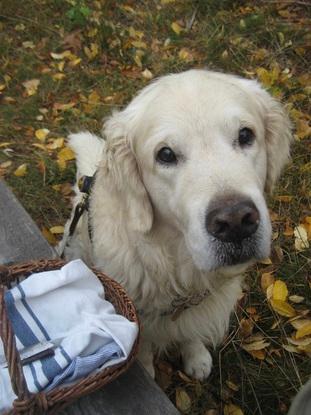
65	309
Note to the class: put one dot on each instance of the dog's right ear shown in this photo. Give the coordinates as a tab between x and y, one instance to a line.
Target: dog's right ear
120	174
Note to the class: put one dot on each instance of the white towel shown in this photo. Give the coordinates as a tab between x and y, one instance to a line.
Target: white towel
67	308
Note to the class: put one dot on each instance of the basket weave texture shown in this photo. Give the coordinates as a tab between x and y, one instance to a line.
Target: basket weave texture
56	399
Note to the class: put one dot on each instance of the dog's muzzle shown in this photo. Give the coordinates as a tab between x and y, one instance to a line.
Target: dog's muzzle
233	221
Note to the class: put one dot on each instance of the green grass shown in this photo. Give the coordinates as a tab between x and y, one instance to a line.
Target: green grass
241	37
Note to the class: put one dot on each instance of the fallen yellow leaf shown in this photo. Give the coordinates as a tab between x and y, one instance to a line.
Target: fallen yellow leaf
284	198
48	236
55	143
139	44
147	74
299	322
183	401
231	409
280	291
301	238
176	28
31	86
55	230
66	154
92	51
265	261
258	354
38	145
42	133
5	164
282	308
299	342
60	56
185	55
7	143
305	330
58	76
21	170
94	98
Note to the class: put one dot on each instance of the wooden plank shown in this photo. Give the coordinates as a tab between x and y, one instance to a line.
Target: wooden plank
20	239
134	392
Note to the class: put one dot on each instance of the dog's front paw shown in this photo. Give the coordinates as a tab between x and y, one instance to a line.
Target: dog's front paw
197	360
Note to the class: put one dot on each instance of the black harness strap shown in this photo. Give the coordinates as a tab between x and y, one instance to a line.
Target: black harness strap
85	185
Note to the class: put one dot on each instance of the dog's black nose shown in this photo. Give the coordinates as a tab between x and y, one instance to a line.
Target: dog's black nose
231	220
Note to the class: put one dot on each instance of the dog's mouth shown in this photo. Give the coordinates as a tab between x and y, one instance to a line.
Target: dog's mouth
234	253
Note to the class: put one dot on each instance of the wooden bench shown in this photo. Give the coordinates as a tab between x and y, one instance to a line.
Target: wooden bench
134	392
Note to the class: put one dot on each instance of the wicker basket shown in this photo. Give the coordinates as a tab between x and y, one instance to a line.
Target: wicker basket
54	400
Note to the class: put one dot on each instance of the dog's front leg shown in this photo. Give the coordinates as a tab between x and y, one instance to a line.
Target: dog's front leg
197	359
145	356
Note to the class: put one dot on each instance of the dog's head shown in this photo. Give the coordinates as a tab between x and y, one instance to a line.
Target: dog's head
195	151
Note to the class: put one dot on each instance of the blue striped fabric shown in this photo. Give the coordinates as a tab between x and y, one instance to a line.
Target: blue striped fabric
52	371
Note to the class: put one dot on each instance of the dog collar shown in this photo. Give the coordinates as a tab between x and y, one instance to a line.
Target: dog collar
181	303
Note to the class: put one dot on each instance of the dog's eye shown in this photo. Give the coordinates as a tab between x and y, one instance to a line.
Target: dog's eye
246	137
166	155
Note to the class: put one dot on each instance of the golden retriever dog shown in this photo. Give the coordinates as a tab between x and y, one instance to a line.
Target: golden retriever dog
177	209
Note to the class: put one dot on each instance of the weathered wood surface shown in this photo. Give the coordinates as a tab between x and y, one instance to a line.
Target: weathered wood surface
134	392
20	239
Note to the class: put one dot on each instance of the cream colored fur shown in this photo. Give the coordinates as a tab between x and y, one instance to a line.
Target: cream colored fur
148	220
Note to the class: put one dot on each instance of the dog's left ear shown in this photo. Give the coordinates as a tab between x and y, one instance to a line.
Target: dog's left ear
278	131
121	174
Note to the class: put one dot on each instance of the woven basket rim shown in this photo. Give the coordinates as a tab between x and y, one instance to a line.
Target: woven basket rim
63	395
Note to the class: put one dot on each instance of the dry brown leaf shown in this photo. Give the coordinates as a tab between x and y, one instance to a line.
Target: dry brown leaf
291	349
299	342
232	385
297	299
256	345
184	377
246	327
267	279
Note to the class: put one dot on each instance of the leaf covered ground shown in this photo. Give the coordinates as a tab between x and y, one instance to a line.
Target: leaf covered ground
65	64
